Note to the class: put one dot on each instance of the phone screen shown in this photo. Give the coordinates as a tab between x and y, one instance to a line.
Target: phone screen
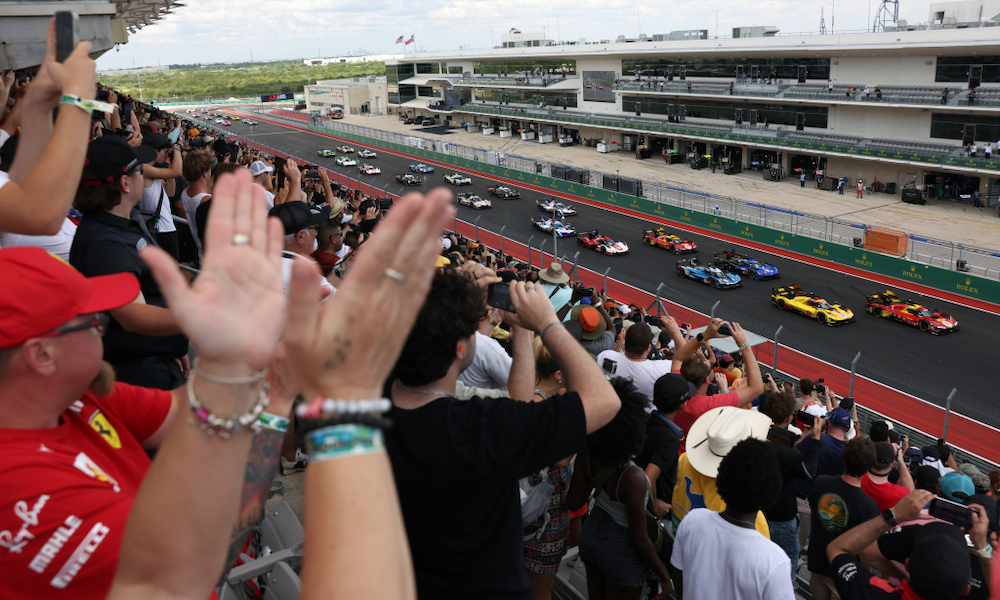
499	297
609	366
953	512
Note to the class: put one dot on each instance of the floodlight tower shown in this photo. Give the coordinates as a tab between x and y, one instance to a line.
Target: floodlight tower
886	16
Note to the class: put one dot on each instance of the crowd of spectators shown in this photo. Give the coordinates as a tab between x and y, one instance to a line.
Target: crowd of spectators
437	382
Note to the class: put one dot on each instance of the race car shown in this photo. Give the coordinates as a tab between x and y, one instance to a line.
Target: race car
326	152
226	123
551	206
345	149
366	153
421	168
794	299
367	169
473	201
409	179
502	191
601	243
744	265
249	122
661	239
889	306
346	161
709	274
547	224
234	118
457	179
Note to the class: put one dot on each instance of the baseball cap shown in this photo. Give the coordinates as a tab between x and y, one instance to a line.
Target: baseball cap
840	418
590	321
109	157
258	166
885	456
979	479
670	391
41	292
957	487
927	478
297	215
155	140
717	431
939	562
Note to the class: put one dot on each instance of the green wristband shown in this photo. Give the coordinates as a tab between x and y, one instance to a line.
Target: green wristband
274	422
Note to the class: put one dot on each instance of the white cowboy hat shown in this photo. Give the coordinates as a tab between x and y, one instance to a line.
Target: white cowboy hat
715	433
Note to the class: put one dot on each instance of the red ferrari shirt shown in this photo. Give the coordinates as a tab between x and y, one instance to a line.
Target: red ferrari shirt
67	493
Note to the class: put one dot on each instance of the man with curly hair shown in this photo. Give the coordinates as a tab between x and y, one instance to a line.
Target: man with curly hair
720	554
457	462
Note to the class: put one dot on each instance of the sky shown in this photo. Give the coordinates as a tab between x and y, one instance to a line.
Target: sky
207	31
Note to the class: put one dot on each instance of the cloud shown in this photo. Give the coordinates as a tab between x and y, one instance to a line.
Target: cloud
217	31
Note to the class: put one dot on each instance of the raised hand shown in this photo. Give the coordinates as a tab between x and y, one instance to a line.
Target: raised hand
234	312
345	348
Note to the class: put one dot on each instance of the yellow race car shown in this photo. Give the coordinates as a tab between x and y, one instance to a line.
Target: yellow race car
794	299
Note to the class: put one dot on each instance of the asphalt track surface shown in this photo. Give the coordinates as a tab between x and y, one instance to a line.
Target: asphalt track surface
895	354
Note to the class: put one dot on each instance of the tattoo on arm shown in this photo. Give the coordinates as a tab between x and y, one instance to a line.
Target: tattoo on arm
262	464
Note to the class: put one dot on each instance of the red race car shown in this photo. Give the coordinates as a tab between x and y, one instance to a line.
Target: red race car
889	306
661	239
601	243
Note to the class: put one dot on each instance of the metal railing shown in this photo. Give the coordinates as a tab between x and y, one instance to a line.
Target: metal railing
939	253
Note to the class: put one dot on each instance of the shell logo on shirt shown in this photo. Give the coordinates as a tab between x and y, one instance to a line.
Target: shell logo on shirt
99	423
833	513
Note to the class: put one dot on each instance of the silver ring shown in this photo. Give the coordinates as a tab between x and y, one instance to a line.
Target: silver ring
241	239
394	274
530	286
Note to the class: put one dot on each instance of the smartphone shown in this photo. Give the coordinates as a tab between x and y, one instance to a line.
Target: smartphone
499	296
651	320
67	33
725	331
781	436
609	366
953	512
805	418
385	204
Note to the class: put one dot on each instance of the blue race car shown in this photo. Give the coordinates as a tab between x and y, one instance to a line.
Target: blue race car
710	274
421	168
744	265
546	224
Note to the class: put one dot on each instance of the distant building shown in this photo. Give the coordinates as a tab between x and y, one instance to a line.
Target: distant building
355	96
133	71
350	59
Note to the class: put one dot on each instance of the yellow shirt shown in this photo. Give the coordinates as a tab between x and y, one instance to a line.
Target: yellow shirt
694	490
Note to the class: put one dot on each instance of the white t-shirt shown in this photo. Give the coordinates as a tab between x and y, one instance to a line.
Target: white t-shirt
58	244
270	196
643	373
326	288
190	208
490	367
150	198
721	560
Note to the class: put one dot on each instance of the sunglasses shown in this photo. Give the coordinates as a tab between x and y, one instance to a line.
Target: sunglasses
97	321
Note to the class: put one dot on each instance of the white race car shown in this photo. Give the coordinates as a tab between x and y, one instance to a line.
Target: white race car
551	206
473	201
345	149
346	161
547	224
457	179
366	153
367	169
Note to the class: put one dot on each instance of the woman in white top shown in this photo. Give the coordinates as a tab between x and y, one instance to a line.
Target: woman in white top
158	187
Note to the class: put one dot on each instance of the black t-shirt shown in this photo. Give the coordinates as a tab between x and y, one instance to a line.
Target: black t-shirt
793	466
897	545
831	461
201	219
662	444
854	582
105	244
456	465
836	507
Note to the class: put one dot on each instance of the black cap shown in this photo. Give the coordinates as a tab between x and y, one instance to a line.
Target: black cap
939	562
109	157
885	456
670	391
155	140
297	215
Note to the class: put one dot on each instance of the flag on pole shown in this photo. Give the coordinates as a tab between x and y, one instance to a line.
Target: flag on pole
399	40
409	41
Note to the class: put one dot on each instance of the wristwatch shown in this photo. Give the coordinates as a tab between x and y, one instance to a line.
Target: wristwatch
890	517
701	337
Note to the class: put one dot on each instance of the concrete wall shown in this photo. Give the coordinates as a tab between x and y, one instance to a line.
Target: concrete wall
884	70
871	121
966	11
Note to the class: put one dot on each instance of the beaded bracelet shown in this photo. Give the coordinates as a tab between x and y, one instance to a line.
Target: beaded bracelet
323	407
271	421
87	105
230	380
211	423
340	441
